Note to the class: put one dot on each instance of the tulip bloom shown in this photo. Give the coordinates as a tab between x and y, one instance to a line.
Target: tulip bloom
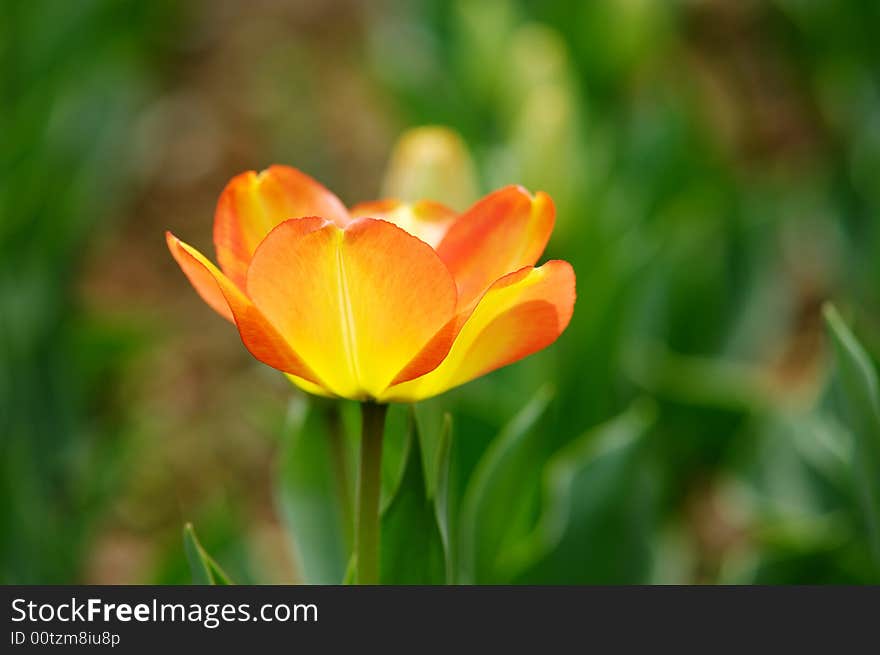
387	301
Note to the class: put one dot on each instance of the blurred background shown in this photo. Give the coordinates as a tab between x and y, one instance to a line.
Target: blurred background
715	169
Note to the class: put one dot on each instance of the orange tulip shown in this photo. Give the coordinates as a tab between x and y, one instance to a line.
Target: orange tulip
387	301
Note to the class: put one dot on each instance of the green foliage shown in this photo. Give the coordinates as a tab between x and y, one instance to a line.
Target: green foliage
861	405
598	510
72	77
412	545
441	493
205	571
500	495
308	499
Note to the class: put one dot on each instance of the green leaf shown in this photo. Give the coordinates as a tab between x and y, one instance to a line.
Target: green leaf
205	571
799	466
442	491
596	510
351	570
308	495
698	381
496	502
861	407
411	543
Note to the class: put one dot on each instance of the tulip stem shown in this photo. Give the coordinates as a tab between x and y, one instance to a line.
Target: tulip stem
369	487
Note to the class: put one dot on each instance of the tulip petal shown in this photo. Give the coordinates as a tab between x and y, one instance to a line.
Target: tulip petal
360	304
254	203
309	387
426	219
197	269
520	314
503	232
258	335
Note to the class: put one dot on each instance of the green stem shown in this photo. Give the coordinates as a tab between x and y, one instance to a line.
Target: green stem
369	486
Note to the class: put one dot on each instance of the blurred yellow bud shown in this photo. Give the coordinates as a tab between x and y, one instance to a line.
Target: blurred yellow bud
431	162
